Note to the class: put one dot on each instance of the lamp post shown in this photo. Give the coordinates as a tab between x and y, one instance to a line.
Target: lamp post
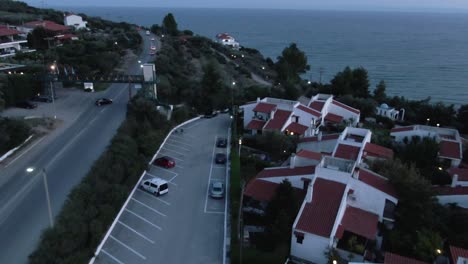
232	95
427	121
52	92
44	174
240	146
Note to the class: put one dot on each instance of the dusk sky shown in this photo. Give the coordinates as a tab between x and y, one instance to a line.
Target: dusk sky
402	5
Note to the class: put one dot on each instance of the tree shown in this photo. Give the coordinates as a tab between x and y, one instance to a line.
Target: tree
169	25
351	81
291	64
462	118
212	92
379	93
38	38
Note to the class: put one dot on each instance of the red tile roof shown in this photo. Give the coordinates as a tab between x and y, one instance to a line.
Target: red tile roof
319	216
48	25
349	108
256	124
456	252
309	110
447	190
378	151
450	149
333	118
280	117
65	36
359	222
390	258
223	36
296	128
317	105
264	108
402	129
324	137
260	190
347	152
5	31
309	154
280	172
462	173
376	181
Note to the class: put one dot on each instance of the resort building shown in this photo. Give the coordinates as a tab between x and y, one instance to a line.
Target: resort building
390	112
11	41
75	21
46	24
227	40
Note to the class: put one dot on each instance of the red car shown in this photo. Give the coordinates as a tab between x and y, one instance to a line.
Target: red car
166	162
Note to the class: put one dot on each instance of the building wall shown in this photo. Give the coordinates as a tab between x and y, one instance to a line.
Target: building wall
295	180
313	248
248	113
346	114
74	20
399	136
461	200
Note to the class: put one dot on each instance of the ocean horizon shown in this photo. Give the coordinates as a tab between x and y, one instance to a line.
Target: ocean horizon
417	54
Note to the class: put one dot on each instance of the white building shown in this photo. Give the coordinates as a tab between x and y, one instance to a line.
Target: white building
11	41
73	20
390	112
227	40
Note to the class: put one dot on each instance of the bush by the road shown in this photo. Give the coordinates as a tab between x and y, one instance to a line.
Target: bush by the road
92	205
12	133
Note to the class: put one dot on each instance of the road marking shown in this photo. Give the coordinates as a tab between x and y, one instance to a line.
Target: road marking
154	210
213	212
219	167
211	170
136	232
173	178
180	167
179	142
181	138
160	178
164	169
25	151
133	213
175	146
112	257
166	149
129	248
161	200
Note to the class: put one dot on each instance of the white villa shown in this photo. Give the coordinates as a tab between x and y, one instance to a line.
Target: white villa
11	41
390	112
228	40
75	21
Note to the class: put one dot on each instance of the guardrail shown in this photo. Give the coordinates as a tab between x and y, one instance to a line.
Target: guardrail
99	248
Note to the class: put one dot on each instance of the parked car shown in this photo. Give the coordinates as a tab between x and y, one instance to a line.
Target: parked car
26	105
216	190
220	158
221	143
103	101
166	162
156	186
42	98
152	53
210	114
153	48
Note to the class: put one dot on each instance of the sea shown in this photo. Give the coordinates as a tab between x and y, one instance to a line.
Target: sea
418	55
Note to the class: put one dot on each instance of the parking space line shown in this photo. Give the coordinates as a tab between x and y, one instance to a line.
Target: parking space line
164	148
25	151
219	167
136	232
175	146
179	142
213	212
160	178
181	138
173	178
161	200
133	213
154	210
129	248
174	158
112	257
211	170
180	167
164	169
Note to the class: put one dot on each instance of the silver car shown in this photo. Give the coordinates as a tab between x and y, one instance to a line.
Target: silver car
217	190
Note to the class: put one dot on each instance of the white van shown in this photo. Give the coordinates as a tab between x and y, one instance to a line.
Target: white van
156	186
88	87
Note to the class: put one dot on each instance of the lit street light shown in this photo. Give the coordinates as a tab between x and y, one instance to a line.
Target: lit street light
240	146
44	174
52	92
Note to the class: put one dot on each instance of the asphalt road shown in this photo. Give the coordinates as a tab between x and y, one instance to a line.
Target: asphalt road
67	159
184	225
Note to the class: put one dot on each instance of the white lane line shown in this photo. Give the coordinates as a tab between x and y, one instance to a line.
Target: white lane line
112	257
166	149
136	232
133	213
175	146
173	178
213	212
175	184
164	169
154	210
159	199
180	167
25	151
219	167
129	248
182	138
211	170
172	157
188	145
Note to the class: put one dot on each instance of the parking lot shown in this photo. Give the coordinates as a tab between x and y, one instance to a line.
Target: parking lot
184	225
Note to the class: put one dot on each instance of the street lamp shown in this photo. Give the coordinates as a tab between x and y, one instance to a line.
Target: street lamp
438	251
335	262
240	146
44	174
427	121
438	125
52	93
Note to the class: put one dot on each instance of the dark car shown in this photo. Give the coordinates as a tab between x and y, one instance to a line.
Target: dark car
42	98
166	162
26	105
220	158
216	190
210	114
103	101
221	143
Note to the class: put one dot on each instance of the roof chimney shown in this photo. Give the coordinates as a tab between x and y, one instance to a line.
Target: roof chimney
292	161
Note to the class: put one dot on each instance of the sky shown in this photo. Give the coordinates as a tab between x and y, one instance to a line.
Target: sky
391	5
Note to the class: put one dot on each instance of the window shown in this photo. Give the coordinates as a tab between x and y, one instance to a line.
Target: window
146	183
154	185
299	239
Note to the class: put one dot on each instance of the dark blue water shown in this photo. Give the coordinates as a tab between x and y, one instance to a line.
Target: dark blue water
417	54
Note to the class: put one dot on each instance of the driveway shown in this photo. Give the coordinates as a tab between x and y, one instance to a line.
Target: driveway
184	225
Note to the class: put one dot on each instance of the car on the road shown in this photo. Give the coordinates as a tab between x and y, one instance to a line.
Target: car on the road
103	101
220	158
210	114
42	98
152	39
152	53
26	105
221	143
156	186
153	48
216	190
147	32
166	162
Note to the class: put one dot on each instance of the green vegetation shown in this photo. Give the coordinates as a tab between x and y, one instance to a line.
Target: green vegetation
170	25
92	205
12	133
